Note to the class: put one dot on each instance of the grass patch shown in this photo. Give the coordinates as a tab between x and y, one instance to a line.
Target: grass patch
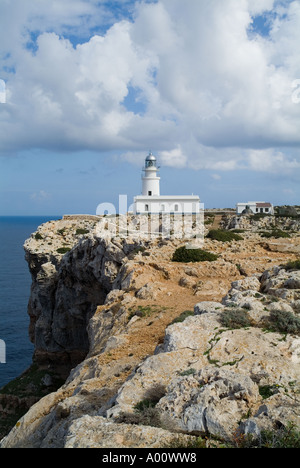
145	311
188	372
30	383
184	255
223	236
182	316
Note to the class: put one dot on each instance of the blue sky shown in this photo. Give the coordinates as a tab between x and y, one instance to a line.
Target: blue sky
91	86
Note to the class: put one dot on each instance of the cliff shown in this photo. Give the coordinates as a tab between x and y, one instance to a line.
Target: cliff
102	312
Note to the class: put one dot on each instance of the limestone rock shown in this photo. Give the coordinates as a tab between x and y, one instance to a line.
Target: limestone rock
211	401
97	432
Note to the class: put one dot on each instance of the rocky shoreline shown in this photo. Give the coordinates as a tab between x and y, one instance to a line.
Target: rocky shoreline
102	313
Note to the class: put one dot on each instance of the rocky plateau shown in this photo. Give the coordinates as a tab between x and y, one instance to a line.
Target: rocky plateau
104	317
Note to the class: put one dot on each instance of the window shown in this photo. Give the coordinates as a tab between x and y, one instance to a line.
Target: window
176	208
146	207
267	210
150	194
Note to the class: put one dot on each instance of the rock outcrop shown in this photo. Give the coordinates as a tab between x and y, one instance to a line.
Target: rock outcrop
110	309
72	271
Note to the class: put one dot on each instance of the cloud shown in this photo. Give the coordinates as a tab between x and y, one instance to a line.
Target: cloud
40	196
214	92
2	92
272	161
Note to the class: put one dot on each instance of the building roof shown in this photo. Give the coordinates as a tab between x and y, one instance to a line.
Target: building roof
263	205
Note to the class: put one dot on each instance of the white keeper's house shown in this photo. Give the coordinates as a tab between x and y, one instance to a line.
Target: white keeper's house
151	201
255	207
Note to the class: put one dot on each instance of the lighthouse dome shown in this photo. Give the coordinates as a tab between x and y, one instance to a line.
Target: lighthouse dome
150	161
150	157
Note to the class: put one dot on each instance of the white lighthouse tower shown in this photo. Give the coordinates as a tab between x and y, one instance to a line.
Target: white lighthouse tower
150	179
152	202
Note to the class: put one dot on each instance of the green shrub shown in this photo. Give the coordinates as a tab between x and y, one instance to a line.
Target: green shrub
184	255
61	231
285	437
223	236
276	233
82	231
283	321
38	236
63	250
266	391
235	318
295	265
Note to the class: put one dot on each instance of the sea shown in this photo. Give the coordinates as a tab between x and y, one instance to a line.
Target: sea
16	350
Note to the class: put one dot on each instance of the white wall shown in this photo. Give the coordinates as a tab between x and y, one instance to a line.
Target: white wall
167	205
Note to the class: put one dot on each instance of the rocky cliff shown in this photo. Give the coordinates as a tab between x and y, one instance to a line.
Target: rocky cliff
102	311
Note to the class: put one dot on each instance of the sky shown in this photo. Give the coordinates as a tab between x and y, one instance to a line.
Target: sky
89	87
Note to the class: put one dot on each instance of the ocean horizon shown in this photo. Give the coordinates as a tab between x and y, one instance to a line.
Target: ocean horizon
15	284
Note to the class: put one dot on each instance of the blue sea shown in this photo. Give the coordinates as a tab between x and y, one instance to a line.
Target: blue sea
15	282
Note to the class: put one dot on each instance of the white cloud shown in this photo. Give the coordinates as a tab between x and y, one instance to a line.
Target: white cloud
272	161
214	96
2	92
40	196
173	158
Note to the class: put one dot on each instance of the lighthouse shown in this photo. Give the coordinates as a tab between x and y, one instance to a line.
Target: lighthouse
152	202
151	181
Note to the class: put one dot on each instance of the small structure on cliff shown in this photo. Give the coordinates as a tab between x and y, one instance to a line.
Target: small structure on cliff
151	201
255	207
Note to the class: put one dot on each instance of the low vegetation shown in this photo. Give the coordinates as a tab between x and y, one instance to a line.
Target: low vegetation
63	250
295	265
184	255
183	316
80	232
235	318
276	233
223	236
283	322
285	437
145	412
